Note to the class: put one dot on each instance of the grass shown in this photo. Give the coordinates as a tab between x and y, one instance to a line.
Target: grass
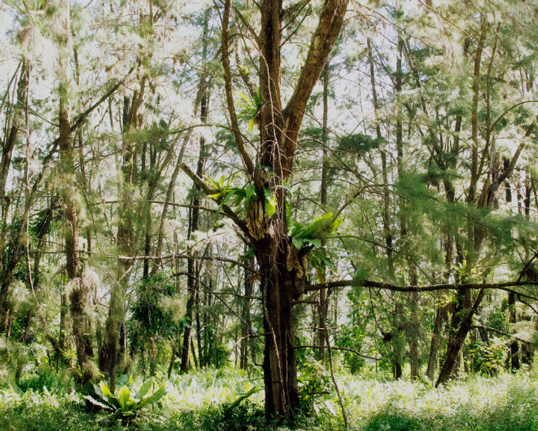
204	400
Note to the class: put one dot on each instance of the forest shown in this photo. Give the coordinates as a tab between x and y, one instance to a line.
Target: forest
268	214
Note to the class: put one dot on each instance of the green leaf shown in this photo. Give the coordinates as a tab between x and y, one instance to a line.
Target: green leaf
109	396
143	390
240	399
212	182
250	189
360	276
315	242
296	228
270	203
228	197
251	252
153	398
297	242
245	98
238	198
125	395
251	123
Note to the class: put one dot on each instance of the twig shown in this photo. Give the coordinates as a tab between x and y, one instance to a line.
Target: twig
339	348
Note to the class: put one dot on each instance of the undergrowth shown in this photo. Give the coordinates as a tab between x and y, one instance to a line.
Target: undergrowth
217	401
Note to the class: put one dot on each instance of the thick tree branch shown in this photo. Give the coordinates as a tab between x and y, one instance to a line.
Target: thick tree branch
431	288
330	24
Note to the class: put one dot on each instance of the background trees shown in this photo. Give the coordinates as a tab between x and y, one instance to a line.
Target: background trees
365	179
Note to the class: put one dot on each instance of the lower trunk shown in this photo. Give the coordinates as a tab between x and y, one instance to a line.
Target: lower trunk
279	291
512	318
456	341
81	332
397	365
185	353
395	337
4	289
113	334
245	332
440	319
526	354
414	335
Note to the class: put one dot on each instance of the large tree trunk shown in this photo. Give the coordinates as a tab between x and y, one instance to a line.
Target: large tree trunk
282	266
280	363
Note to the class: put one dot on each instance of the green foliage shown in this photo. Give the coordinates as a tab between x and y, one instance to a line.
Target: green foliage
156	311
322	258
128	402
212	401
314	384
312	234
250	108
488	358
360	276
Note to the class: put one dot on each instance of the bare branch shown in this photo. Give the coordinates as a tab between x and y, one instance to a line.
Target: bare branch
340	348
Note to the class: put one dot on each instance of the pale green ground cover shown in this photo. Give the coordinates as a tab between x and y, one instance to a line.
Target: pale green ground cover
202	400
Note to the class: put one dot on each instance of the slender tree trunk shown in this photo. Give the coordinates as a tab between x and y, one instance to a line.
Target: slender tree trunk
323	304
193	284
79	290
125	237
5	164
461	319
440	319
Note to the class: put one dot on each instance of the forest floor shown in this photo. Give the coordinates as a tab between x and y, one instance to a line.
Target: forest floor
206	400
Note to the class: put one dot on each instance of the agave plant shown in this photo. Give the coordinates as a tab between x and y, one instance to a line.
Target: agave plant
126	403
